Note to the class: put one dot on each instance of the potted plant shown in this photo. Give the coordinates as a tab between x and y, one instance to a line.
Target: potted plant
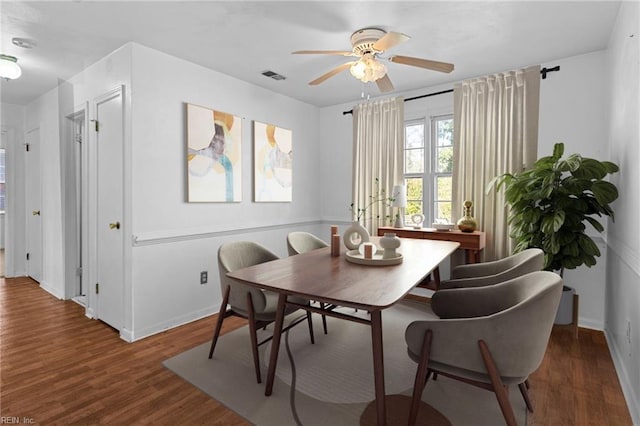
551	203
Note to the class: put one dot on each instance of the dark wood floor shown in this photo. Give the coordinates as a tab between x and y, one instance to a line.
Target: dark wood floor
58	367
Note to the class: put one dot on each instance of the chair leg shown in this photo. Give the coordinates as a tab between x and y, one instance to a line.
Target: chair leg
254	337
525	396
498	387
324	319
422	375
310	322
221	315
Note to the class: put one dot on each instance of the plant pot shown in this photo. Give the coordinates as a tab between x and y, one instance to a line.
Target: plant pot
565	308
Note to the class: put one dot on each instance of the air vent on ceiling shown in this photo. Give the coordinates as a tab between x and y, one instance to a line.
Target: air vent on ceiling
274	75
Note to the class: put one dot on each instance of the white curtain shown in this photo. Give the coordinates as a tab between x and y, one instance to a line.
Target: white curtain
378	143
495	132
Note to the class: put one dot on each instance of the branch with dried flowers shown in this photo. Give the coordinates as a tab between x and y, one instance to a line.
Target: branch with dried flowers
379	197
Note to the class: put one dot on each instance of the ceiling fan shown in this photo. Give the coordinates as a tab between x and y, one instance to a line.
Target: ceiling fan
367	45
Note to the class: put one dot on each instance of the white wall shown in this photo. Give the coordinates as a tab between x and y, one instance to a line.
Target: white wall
336	158
110	73
43	114
46	113
623	251
159	147
175	240
12	123
573	111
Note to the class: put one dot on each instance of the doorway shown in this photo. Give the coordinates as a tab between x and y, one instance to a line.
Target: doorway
73	161
34	203
3	188
108	128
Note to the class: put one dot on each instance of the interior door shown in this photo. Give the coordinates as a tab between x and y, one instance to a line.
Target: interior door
109	130
34	205
72	174
78	140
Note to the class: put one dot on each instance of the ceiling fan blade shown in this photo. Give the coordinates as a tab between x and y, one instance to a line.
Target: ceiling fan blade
384	84
323	52
422	63
389	40
336	70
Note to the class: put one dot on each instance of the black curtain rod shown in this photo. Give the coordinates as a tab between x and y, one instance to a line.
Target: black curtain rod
543	71
411	99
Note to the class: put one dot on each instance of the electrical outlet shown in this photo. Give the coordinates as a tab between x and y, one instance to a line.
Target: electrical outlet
204	277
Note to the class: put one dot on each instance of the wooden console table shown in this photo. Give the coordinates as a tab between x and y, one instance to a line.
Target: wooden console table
472	242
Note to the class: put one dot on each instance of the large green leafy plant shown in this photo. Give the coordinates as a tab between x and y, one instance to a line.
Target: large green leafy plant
552	202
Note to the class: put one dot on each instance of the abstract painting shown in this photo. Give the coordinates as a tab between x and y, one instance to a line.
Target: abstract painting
273	163
214	164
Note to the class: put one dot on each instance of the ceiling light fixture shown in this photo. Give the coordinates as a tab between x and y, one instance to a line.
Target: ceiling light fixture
9	68
368	69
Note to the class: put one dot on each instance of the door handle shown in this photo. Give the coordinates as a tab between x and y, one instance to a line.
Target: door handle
36	212
114	225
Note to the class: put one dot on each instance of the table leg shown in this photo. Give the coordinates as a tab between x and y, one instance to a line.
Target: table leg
275	343
436	277
378	365
473	256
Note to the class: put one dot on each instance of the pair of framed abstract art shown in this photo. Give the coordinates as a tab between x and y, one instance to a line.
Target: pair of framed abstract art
214	158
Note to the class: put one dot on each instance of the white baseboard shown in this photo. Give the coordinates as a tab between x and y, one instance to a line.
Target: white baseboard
126	335
51	290
633	401
172	323
591	324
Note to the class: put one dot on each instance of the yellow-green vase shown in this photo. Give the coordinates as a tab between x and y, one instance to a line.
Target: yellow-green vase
467	223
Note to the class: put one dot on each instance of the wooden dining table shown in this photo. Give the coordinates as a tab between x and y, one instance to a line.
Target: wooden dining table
334	281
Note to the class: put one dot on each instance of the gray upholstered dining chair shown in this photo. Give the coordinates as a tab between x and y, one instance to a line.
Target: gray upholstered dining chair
254	304
497	271
302	242
490	337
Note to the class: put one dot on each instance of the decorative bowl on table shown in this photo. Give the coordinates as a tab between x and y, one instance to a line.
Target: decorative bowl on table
378	259
443	226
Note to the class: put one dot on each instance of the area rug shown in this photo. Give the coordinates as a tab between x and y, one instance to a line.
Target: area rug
331	382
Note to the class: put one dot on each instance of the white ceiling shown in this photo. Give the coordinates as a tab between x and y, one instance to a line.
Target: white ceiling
243	39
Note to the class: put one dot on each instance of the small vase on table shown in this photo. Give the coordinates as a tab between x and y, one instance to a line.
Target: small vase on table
355	235
389	243
467	223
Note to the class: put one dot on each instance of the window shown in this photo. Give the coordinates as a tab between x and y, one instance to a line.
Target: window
2	180
428	165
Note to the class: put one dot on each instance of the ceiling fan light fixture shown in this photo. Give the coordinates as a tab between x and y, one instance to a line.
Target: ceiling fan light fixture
9	68
368	69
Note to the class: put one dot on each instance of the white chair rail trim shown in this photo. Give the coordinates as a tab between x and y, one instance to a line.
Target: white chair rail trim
172	236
